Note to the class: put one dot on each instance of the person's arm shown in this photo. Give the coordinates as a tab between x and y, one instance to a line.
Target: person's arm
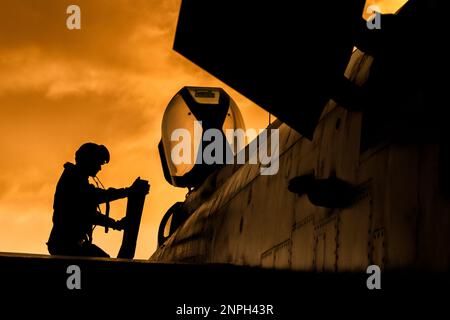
111	194
104	221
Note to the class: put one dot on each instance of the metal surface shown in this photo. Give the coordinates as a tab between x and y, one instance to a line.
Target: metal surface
239	216
393	150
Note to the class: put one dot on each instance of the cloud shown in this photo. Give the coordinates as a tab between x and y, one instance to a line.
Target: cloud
109	83
4	188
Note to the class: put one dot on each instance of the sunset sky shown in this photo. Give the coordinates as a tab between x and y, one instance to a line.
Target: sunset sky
107	83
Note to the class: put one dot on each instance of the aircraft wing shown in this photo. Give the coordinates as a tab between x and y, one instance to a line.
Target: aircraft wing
282	55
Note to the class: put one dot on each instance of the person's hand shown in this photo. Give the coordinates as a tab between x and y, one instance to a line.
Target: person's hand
120	224
140	186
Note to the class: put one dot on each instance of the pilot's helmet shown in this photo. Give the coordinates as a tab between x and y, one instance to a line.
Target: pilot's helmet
90	153
191	113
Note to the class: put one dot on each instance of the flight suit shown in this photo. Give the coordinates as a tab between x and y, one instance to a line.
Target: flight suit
75	213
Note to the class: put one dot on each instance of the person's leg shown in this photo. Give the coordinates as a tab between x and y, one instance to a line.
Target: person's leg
91	250
64	250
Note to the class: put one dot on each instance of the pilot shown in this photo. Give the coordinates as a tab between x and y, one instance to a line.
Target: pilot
76	205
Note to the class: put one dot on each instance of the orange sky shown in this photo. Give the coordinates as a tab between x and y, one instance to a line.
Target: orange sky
108	83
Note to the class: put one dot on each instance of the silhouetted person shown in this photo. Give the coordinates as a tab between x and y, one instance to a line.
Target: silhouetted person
76	205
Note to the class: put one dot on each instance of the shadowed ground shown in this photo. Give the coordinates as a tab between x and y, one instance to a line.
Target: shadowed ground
116	286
